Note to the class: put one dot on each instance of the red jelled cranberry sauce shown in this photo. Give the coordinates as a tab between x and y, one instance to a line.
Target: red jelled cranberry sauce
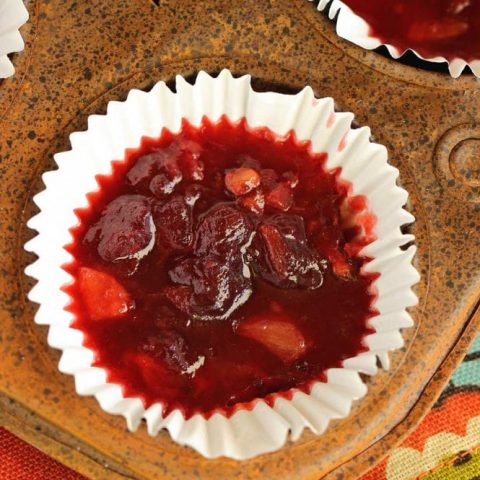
447	28
219	265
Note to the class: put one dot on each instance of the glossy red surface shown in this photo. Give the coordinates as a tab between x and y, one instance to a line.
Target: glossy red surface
228	258
447	28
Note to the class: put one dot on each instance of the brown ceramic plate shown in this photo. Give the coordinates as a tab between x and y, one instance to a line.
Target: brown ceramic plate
81	55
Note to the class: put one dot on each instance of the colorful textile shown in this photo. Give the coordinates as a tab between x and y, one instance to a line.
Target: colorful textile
446	444
20	461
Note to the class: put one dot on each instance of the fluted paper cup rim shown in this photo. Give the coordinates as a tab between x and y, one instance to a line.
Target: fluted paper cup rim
355	29
13	15
260	428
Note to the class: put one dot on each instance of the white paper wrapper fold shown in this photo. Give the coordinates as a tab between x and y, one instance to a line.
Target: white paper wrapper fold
13	15
355	29
262	429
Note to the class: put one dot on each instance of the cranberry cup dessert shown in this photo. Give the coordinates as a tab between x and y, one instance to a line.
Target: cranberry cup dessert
435	30
225	265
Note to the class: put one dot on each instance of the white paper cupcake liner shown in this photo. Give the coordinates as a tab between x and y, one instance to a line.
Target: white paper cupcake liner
13	15
355	29
262	429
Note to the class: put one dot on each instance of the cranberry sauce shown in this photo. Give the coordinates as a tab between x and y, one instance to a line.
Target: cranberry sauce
447	28
219	265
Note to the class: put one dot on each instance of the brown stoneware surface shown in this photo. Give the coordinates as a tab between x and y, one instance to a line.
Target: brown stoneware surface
80	55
